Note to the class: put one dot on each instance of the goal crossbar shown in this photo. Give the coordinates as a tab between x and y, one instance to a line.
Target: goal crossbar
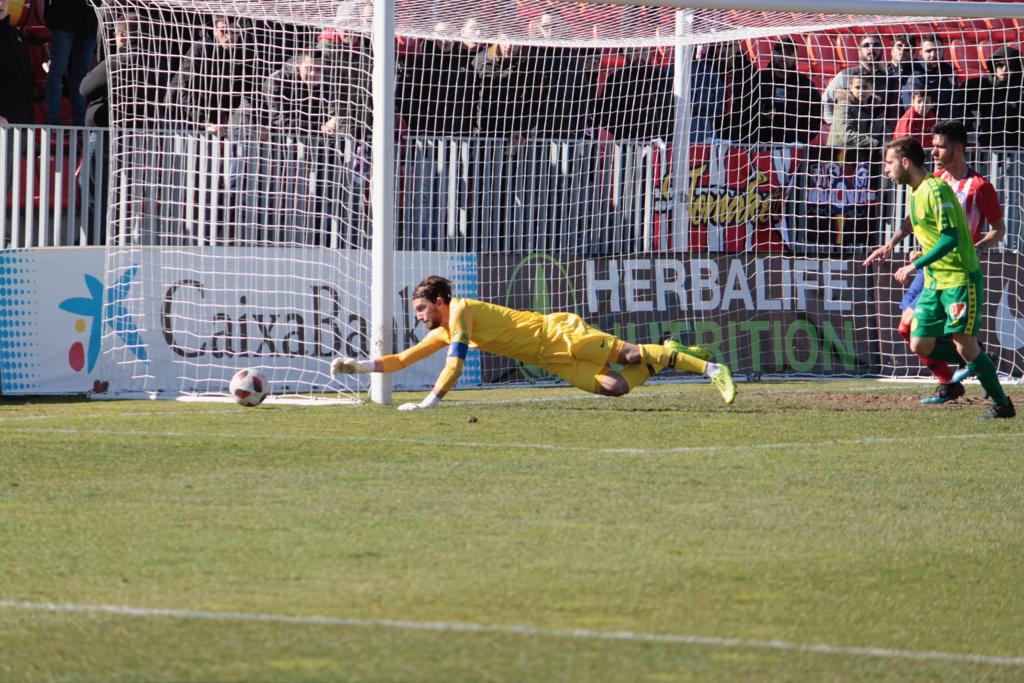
893	8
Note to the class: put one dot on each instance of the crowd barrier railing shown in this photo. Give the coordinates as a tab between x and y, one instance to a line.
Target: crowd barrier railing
69	186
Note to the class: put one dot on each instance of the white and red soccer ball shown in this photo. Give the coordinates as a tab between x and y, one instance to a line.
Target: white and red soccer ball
248	388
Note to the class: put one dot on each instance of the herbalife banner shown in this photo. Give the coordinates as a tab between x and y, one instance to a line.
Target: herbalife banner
762	315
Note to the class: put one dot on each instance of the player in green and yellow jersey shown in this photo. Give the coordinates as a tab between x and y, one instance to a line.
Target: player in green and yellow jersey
954	294
560	343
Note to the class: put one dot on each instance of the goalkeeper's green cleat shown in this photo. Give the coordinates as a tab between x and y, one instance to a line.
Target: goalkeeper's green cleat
721	377
695	351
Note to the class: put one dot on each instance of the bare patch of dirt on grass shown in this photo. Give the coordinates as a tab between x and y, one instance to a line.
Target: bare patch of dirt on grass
888	401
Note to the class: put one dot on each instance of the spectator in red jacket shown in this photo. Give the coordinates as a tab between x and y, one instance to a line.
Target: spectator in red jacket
919	119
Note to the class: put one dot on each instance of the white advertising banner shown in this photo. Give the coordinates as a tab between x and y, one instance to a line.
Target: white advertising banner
188	322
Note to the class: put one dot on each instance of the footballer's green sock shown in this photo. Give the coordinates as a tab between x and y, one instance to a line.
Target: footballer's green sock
945	350
985	371
659	357
635	375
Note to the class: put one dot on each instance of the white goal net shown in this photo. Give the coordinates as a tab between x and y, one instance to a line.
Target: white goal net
710	175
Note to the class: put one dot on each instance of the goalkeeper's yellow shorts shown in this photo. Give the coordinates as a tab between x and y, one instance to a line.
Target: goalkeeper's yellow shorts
575	351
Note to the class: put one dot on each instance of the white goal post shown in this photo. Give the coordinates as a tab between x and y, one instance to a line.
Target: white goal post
284	173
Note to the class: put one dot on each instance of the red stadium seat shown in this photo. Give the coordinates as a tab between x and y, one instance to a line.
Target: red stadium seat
965	59
760	51
822	54
848	49
985	50
972	29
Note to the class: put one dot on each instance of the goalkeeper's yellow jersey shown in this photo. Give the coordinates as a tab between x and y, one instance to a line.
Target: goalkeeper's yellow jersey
519	335
494	329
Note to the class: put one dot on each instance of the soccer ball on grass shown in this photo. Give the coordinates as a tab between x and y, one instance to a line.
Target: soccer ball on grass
248	388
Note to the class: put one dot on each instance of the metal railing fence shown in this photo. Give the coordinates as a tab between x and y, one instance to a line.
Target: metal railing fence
458	194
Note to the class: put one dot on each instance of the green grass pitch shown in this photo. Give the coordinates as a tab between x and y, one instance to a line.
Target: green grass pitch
810	532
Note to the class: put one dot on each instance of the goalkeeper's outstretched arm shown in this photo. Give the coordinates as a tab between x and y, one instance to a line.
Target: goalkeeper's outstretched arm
397	361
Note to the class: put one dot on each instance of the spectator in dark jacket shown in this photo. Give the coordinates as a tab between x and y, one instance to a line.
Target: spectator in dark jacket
505	101
790	104
16	89
934	75
128	72
564	82
707	92
215	79
72	25
637	102
437	97
901	58
998	100
743	93
347	82
294	96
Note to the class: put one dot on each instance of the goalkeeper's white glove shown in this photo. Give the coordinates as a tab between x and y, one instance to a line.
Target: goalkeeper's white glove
429	402
343	365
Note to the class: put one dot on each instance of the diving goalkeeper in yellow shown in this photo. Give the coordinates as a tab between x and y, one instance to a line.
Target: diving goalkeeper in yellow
560	343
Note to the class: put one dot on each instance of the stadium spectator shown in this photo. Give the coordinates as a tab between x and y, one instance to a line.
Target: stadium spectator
135	79
860	116
563	80
948	312
470	33
917	122
95	88
215	80
998	100
934	75
637	102
790	106
871	62
742	82
17	92
294	97
73	26
16	89
560	343
347	76
707	93
902	58
505	101
437	96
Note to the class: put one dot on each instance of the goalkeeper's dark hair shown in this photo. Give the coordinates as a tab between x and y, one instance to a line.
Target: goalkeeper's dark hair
432	288
907	148
955	132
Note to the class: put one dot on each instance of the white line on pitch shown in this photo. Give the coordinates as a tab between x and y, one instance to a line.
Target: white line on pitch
140	413
519	630
490	445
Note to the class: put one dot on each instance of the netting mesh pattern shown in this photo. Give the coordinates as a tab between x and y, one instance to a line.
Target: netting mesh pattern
712	176
520	20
